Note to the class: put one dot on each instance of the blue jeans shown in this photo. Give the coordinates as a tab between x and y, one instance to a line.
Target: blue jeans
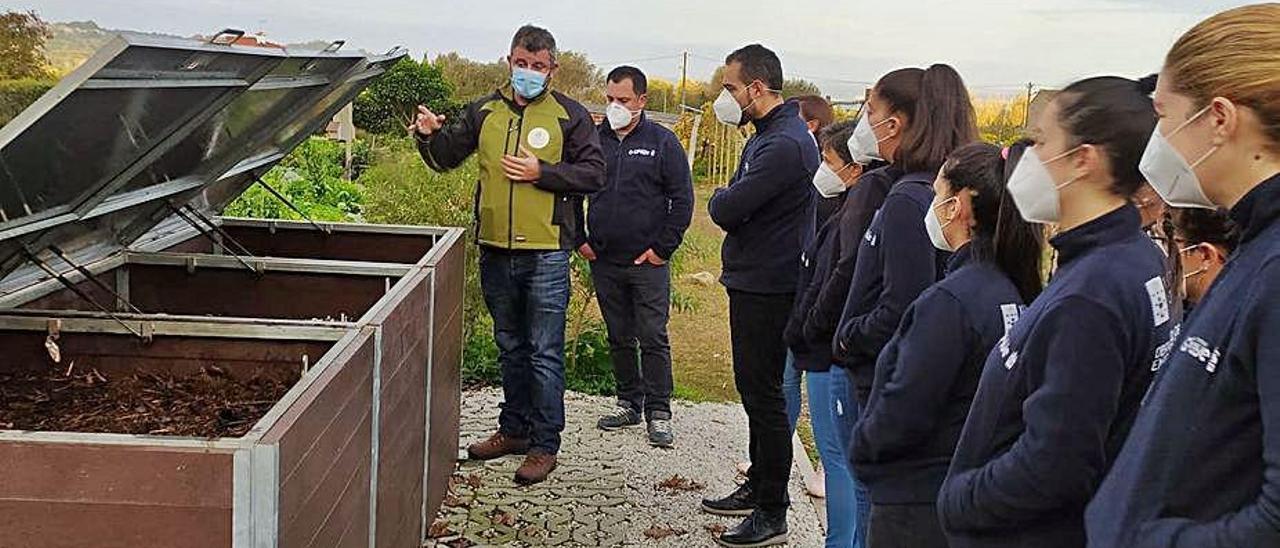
791	379
842	522
845	409
527	293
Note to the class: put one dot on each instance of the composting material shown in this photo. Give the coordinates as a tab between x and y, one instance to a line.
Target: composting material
208	404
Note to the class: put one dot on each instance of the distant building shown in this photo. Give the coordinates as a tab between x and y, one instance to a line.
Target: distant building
257	40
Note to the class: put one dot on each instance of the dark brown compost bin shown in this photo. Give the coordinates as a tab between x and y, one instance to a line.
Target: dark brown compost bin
119	279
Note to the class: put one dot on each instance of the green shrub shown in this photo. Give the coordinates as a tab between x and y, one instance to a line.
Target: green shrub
16	95
311	177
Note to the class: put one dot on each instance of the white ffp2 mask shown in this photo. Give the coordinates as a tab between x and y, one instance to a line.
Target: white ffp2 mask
1169	173
618	116
934	226
1033	189
828	181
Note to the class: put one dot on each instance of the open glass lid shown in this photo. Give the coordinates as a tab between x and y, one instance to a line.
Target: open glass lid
143	127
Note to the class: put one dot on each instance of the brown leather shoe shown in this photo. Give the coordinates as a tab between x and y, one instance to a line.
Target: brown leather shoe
537	466
498	445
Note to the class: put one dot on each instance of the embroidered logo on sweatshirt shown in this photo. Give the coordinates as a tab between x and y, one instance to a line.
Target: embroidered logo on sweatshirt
642	152
1009	313
1159	300
1163	351
1200	351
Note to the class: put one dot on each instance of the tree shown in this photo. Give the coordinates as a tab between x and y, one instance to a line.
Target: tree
22	39
471	80
794	87
390	104
1000	119
579	78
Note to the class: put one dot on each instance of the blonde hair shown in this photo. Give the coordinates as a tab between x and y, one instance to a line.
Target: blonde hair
1236	55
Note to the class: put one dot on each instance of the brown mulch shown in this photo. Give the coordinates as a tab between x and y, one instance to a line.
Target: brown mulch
208	404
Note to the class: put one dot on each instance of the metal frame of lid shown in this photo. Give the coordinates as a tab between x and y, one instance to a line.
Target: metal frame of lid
114	69
113	211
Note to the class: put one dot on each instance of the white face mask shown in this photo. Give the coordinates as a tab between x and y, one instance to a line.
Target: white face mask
863	144
727	109
1033	189
828	181
935	226
1170	174
618	115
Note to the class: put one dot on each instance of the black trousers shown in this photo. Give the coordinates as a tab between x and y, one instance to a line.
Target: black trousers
636	304
905	526
756	323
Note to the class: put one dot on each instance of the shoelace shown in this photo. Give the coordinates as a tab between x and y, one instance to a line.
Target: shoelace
660	426
622	414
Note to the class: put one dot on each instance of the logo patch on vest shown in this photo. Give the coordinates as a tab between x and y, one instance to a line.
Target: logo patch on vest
1009	313
539	138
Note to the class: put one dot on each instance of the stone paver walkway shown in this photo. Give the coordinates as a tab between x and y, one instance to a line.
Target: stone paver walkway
611	488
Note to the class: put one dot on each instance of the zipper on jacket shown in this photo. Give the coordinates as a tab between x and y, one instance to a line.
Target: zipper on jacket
511	187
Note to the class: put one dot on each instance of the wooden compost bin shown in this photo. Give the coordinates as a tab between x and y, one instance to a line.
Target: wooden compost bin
357	453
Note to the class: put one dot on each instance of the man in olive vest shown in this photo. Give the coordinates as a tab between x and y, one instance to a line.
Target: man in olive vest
538	154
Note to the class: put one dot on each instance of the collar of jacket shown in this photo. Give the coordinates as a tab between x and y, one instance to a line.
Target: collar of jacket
1258	209
788	108
960	258
1114	226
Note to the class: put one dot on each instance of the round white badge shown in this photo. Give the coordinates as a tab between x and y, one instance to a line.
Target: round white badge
539	138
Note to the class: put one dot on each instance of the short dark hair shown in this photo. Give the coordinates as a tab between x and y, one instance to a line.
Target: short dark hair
758	63
1206	226
813	107
836	137
639	84
1113	113
534	39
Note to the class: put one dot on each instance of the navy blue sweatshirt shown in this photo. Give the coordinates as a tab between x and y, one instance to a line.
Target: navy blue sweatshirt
822	311
827	267
1201	467
896	262
768	210
1058	394
925	380
647	200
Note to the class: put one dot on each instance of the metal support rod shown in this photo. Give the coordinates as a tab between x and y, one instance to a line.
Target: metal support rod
291	205
217	228
94	280
79	292
209	235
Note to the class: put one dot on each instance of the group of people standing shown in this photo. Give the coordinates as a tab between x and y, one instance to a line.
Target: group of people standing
971	383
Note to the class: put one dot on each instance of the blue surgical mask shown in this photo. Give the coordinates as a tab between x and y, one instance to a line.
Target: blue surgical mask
528	83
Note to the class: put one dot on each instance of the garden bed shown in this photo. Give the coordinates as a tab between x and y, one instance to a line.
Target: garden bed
210	403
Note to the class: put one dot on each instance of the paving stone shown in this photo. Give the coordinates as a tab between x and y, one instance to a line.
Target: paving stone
606	491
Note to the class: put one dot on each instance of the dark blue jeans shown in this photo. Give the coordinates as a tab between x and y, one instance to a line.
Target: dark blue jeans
527	293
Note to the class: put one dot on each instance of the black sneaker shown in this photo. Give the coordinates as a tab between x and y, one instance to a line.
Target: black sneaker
741	502
621	417
761	528
660	434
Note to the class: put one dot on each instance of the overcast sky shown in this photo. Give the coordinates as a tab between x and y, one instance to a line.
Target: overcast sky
998	45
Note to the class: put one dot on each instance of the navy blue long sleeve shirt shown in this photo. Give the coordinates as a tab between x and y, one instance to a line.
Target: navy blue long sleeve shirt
821	312
767	211
1059	393
925	380
647	200
1201	467
896	262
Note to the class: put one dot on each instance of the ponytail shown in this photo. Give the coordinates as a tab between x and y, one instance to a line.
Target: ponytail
1000	235
939	115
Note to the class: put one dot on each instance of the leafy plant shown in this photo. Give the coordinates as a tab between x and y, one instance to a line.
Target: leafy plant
311	177
16	95
390	104
22	39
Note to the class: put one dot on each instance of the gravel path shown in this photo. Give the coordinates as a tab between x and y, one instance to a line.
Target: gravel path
611	488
